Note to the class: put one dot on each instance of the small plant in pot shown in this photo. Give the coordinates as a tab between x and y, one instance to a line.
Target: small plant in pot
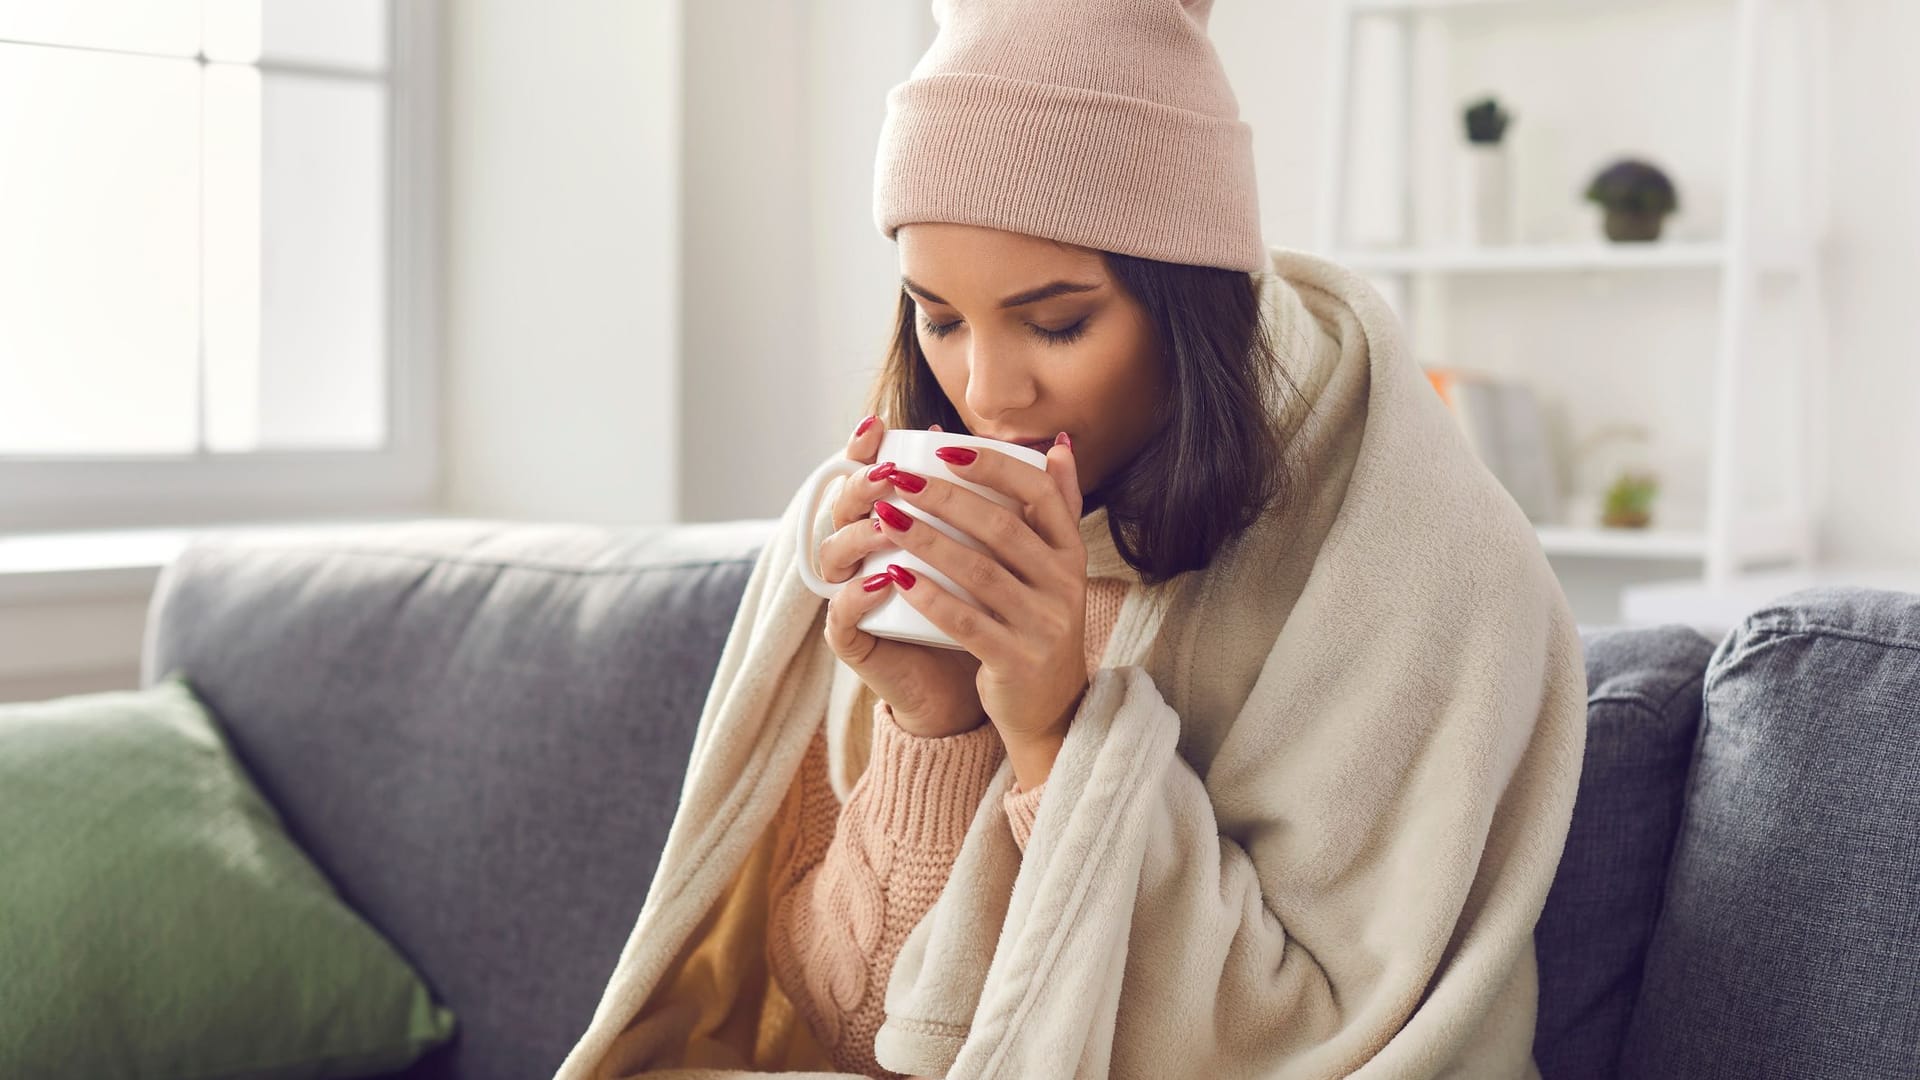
1486	121
1629	501
1486	207
1637	197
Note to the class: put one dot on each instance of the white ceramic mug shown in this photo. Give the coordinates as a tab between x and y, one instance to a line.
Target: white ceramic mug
912	450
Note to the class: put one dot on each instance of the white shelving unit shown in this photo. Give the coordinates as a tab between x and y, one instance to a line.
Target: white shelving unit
1735	535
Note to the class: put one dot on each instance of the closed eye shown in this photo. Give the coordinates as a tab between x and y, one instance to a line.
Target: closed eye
1062	336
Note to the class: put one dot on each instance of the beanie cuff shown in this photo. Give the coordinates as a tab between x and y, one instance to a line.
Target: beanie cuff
1099	170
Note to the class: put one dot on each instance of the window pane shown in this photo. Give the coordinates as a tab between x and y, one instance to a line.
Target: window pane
342	33
156	26
311	373
231	276
99	252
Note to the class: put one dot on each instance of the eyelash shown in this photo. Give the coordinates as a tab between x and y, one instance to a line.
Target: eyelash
1052	337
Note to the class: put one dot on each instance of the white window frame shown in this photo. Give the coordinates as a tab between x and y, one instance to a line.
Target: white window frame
403	477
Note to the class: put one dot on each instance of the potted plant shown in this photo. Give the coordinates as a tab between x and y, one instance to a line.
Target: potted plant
1636	196
1486	175
1486	121
1629	501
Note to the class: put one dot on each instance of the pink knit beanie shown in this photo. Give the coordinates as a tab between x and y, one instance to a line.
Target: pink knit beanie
1103	123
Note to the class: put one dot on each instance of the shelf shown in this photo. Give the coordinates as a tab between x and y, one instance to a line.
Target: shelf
1414	7
1715	609
1564	257
1623	543
1757	244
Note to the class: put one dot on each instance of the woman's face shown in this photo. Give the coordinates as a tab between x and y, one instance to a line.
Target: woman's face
1029	337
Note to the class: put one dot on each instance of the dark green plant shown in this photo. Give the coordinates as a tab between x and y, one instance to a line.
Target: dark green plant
1486	122
1635	187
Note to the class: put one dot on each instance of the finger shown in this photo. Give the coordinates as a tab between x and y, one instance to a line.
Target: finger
845	610
1006	533
1037	492
1064	468
864	446
974	630
935	427
1005	597
854	500
842	552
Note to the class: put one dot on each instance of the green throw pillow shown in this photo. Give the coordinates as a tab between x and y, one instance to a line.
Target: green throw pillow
156	920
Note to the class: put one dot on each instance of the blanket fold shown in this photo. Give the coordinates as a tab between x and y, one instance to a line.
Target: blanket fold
1302	825
1075	903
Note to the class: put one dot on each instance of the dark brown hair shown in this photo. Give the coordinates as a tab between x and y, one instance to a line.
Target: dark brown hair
1217	460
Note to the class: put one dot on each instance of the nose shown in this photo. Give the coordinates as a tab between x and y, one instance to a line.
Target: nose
998	381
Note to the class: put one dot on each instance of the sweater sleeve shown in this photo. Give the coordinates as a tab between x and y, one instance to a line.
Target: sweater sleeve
1022	807
850	883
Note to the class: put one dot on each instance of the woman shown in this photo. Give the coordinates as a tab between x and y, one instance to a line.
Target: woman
1261	759
1077	349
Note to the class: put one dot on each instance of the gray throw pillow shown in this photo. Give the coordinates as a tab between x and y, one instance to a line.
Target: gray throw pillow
1643	711
1788	946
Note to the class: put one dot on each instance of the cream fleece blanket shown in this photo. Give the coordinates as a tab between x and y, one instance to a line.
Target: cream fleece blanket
1302	826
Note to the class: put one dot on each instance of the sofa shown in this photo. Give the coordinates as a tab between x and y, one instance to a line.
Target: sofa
478	730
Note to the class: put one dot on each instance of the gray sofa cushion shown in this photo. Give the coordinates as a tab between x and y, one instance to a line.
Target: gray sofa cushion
1789	942
1643	709
478	731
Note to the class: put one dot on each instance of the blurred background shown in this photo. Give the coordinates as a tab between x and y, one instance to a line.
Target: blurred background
613	261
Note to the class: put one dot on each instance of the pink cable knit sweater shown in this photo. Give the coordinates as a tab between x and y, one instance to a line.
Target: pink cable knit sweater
850	882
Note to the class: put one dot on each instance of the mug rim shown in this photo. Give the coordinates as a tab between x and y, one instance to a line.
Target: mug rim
955	438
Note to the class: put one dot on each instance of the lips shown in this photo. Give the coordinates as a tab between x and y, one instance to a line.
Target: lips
1042	444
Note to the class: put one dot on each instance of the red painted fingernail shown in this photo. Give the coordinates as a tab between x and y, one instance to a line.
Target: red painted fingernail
958	455
880	471
1062	439
901	574
864	425
892	515
906	481
876	582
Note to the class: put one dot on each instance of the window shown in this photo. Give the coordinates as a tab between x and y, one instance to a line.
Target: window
216	293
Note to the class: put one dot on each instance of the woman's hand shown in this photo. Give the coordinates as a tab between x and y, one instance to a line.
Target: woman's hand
1033	584
930	690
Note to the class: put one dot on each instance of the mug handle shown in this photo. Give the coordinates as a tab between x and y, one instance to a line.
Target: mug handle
803	547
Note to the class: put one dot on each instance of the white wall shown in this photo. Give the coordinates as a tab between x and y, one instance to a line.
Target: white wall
666	293
1873	270
562	260
747	386
788	286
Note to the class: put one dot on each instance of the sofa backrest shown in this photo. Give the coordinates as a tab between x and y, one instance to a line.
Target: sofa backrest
478	731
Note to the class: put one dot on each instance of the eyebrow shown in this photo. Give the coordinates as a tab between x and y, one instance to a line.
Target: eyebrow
1050	289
